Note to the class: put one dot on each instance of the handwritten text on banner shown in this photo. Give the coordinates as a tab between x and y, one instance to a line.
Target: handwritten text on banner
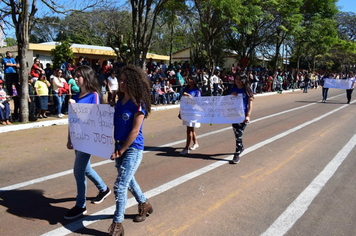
91	128
338	83
213	110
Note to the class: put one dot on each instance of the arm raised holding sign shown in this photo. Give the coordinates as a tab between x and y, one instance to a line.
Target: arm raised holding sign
242	87
89	93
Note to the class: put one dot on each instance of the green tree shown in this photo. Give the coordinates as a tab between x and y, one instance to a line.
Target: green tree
10	42
61	53
21	14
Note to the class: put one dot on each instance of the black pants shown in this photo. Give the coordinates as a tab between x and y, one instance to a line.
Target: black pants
239	131
348	94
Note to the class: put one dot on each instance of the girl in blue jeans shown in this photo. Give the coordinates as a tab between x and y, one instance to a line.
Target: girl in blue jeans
132	107
89	93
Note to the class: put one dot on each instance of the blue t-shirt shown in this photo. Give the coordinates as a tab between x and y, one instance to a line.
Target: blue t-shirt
195	92
9	69
123	122
92	98
245	97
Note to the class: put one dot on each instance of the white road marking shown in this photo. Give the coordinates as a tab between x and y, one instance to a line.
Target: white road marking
49	177
53	176
106	213
300	205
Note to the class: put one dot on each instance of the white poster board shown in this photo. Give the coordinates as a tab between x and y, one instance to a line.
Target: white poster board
91	128
213	110
338	83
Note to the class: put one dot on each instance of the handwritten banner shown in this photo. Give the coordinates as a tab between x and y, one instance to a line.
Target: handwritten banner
91	128
338	83
213	110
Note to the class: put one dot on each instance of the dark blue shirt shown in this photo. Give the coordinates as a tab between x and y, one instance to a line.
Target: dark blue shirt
245	97
123	122
92	98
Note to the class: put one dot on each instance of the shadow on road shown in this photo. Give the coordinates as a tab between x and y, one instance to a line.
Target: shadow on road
32	204
172	152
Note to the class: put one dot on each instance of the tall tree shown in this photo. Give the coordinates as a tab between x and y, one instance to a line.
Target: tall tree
144	17
21	14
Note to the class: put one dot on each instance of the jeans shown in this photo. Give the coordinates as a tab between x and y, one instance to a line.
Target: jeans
126	166
306	85
348	94
82	168
325	93
254	87
239	131
7	111
58	101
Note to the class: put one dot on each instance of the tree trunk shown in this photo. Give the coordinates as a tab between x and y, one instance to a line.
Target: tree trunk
23	77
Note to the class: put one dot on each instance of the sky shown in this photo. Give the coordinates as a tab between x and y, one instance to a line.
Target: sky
344	5
347	5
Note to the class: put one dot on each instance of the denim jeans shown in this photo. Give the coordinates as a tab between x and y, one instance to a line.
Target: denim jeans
58	101
126	166
325	93
7	111
82	168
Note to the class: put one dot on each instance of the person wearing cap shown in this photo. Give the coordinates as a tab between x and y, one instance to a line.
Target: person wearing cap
191	90
4	105
11	77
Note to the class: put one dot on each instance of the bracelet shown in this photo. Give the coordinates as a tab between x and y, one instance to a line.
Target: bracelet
247	115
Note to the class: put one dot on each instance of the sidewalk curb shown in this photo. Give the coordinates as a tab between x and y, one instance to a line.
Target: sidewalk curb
9	128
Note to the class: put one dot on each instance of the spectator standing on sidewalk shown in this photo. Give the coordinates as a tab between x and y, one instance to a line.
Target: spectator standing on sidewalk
132	107
4	105
89	93
243	87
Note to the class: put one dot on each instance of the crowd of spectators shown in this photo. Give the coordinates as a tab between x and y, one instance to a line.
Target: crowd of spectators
54	86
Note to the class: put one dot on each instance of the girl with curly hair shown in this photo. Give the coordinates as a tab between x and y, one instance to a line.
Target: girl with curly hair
132	107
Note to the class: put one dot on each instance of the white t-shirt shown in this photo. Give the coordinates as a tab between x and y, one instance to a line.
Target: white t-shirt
113	83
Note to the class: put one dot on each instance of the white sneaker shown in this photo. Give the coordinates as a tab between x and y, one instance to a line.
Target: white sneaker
195	146
184	152
60	115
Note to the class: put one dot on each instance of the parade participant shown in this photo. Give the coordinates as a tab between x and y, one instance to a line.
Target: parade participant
324	90
241	86
349	91
191	91
132	107
89	93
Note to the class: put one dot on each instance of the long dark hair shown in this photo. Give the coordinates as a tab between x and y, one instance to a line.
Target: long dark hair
138	88
246	82
90	79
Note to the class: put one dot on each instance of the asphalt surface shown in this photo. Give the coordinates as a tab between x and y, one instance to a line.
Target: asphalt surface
296	176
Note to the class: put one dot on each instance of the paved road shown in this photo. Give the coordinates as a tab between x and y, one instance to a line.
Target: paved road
296	176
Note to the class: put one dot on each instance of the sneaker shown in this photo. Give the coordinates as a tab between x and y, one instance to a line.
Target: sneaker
235	159
60	115
184	152
75	212
101	196
195	146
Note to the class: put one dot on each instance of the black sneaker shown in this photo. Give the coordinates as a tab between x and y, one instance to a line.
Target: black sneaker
235	159
75	212
101	196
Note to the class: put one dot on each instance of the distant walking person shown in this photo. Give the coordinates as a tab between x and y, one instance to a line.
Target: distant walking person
324	90
349	91
89	93
241	86
132	107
